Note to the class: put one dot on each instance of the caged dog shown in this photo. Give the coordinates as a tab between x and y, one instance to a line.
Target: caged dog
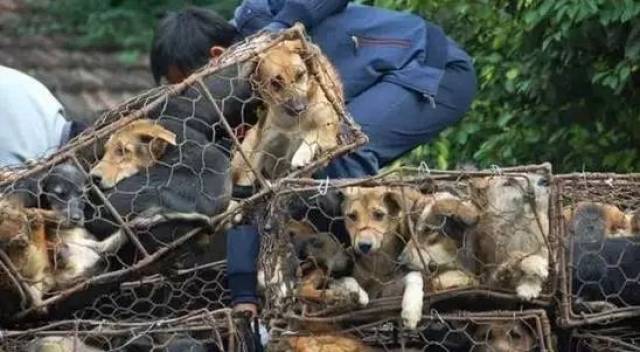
511	237
157	171
440	244
504	336
376	221
606	250
325	264
300	121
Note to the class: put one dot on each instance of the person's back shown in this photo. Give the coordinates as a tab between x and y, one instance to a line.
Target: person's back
32	122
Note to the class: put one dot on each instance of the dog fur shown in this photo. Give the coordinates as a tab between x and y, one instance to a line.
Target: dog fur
503	336
376	220
300	121
510	238
23	239
322	343
158	181
437	247
594	219
325	263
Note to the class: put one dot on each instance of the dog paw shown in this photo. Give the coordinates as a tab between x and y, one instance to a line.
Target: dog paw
535	266
529	290
303	156
351	287
412	300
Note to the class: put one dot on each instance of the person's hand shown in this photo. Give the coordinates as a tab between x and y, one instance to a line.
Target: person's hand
249	308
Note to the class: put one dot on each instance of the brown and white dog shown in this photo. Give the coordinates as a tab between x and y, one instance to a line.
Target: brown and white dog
600	220
376	220
503	336
437	248
134	147
300	121
511	237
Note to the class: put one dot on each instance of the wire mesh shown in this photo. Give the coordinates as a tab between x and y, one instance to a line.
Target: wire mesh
338	247
614	339
122	229
599	274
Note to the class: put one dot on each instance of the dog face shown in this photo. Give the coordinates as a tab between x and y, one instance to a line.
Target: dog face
318	248
134	147
283	79
510	194
438	251
372	217
64	189
503	337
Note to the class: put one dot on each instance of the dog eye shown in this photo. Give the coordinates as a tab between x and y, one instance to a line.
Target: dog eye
276	83
510	182
352	216
299	75
378	215
515	335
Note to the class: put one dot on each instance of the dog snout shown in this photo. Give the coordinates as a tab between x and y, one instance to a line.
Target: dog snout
96	178
365	247
296	106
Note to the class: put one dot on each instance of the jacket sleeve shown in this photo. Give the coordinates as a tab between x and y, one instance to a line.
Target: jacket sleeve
254	15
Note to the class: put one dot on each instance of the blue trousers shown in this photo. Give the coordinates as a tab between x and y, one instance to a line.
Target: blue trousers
396	120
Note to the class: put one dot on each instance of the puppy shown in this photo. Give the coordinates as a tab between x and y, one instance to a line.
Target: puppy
60	189
376	220
511	235
598	220
23	239
440	232
162	168
300	121
324	263
503	336
604	257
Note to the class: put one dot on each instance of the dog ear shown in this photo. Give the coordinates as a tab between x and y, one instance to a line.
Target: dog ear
393	201
157	137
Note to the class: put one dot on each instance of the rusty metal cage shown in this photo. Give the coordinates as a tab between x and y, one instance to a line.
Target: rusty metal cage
306	241
599	276
527	330
151	229
614	339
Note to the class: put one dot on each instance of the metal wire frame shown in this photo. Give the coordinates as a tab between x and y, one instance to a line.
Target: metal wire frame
589	187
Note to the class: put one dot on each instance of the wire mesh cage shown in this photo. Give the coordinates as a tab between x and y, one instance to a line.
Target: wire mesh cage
419	239
494	331
125	224
600	280
615	339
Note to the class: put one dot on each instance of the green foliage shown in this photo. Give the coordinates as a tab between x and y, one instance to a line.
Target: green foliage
559	80
119	24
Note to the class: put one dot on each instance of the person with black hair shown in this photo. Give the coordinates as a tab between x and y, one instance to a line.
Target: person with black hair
405	81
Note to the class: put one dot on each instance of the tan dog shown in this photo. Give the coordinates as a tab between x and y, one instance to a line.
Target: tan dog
23	239
376	220
134	147
503	336
511	237
300	121
601	220
324	342
436	250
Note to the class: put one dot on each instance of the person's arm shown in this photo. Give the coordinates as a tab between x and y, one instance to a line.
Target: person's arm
254	15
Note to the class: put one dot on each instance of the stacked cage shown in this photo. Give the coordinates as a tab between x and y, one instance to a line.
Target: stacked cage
412	259
599	276
116	241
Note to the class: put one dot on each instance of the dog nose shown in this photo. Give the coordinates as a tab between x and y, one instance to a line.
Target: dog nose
76	217
432	266
365	247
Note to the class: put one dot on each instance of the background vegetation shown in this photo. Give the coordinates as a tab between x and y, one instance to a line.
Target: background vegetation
559	79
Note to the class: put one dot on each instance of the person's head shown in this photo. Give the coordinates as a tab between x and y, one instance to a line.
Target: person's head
186	40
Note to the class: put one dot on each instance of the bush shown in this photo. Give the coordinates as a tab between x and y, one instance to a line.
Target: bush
559	81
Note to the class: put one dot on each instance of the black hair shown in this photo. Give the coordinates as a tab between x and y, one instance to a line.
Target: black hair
184	38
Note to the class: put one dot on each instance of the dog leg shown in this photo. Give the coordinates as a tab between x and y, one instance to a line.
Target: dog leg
412	299
349	286
452	279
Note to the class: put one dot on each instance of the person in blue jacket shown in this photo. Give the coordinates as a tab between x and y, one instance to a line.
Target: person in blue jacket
404	79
